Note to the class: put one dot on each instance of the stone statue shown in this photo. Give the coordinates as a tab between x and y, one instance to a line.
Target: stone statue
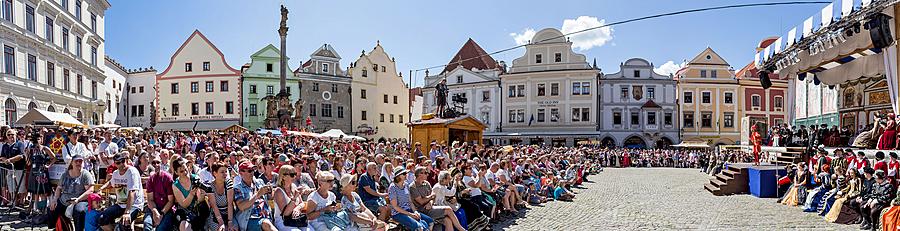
298	109
271	109
284	16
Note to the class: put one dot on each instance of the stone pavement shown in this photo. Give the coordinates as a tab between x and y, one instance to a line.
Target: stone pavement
662	199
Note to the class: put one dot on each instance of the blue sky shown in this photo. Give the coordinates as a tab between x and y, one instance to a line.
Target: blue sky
428	33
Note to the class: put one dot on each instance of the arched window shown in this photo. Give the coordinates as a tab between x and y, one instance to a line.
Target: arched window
66	111
80	117
10	107
32	105
95	119
51	108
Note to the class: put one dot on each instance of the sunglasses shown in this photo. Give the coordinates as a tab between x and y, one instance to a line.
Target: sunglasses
291	174
246	170
331	181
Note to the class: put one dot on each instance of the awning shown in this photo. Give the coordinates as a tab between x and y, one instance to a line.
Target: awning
106	126
234	128
214	125
688	144
334	133
38	115
175	126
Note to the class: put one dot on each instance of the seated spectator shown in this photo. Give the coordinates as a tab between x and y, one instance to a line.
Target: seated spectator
74	187
250	200
361	217
129	195
423	199
221	199
403	210
323	211
188	194
881	194
90	220
368	192
159	212
289	205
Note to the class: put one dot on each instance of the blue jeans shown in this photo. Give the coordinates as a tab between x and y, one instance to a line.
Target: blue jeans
413	224
166	222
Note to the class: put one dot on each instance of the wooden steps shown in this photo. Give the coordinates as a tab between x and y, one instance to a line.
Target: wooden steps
732	180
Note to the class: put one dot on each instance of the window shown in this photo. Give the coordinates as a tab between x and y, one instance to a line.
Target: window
209	86
554	114
79	84
141	89
252	109
706	119
554	89
392	118
459	79
688	119
688	97
65	39
78	47
395	99
67	80
326	110
174	109
32	68
174	88
754	101
363	116
312	110
315	87
635	118
325	67
537	58
269	67
7	10
486	117
541	89
637	73
140	110
729	98
188	67
778	102
365	73
383	69
64	4
252	89
93	22
624	93
585	88
229	107
195	87
133	110
385	98
667	119
195	108
270	90
576	88
94	55
581	114
485	96
340	113
401	118
29	18
729	119
651	92
557	57
713	73
520	115
512	91
205	66
9	60
51	74
651	118
702	73
617	118
382	118
520	91
48	29
94	90
541	113
362	93
706	97
78	9
334	88
223	86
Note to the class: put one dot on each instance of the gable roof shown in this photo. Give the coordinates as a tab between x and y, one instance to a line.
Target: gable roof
471	55
326	51
261	51
195	35
715	58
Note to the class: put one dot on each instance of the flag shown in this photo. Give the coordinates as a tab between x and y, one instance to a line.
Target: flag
531	120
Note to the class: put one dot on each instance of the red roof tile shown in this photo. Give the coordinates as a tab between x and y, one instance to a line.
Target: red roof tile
471	56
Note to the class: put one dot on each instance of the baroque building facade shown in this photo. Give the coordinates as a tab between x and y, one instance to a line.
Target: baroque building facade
261	78
53	59
324	92
380	97
708	100
638	107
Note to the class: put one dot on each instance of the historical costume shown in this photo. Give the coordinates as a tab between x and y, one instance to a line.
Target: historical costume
757	143
798	191
841	211
888	139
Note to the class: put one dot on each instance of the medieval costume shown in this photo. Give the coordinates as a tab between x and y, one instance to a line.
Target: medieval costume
842	212
888	139
798	191
756	138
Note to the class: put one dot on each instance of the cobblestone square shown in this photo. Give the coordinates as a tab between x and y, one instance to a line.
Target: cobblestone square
662	199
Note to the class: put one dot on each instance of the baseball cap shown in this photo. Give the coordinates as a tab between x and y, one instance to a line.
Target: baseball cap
247	165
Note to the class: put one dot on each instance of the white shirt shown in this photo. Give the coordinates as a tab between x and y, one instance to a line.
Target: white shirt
108	149
131	181
70	150
441	193
475	191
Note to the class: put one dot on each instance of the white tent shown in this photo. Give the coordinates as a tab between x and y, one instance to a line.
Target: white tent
38	115
334	133
358	138
106	126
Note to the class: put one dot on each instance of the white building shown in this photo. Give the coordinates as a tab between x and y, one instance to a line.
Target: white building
138	101
52	58
473	75
549	94
113	87
380	97
638	107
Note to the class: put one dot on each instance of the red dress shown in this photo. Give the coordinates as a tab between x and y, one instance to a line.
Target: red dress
757	143
893	166
627	161
888	139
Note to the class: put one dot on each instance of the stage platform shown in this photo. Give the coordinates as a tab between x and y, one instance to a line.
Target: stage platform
741	178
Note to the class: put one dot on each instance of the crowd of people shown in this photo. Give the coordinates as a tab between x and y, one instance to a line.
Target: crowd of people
846	187
882	134
249	181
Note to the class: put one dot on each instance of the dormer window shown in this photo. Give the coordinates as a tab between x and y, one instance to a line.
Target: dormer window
557	57
188	67
637	73
459	79
325	67
375	67
538	58
269	67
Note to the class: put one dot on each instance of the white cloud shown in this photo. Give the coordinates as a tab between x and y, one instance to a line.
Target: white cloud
524	37
669	68
581	41
588	39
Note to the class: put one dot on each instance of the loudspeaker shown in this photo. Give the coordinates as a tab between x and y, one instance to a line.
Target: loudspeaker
801	76
880	30
764	80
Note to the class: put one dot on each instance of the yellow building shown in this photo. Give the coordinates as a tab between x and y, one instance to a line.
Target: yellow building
380	100
708	100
